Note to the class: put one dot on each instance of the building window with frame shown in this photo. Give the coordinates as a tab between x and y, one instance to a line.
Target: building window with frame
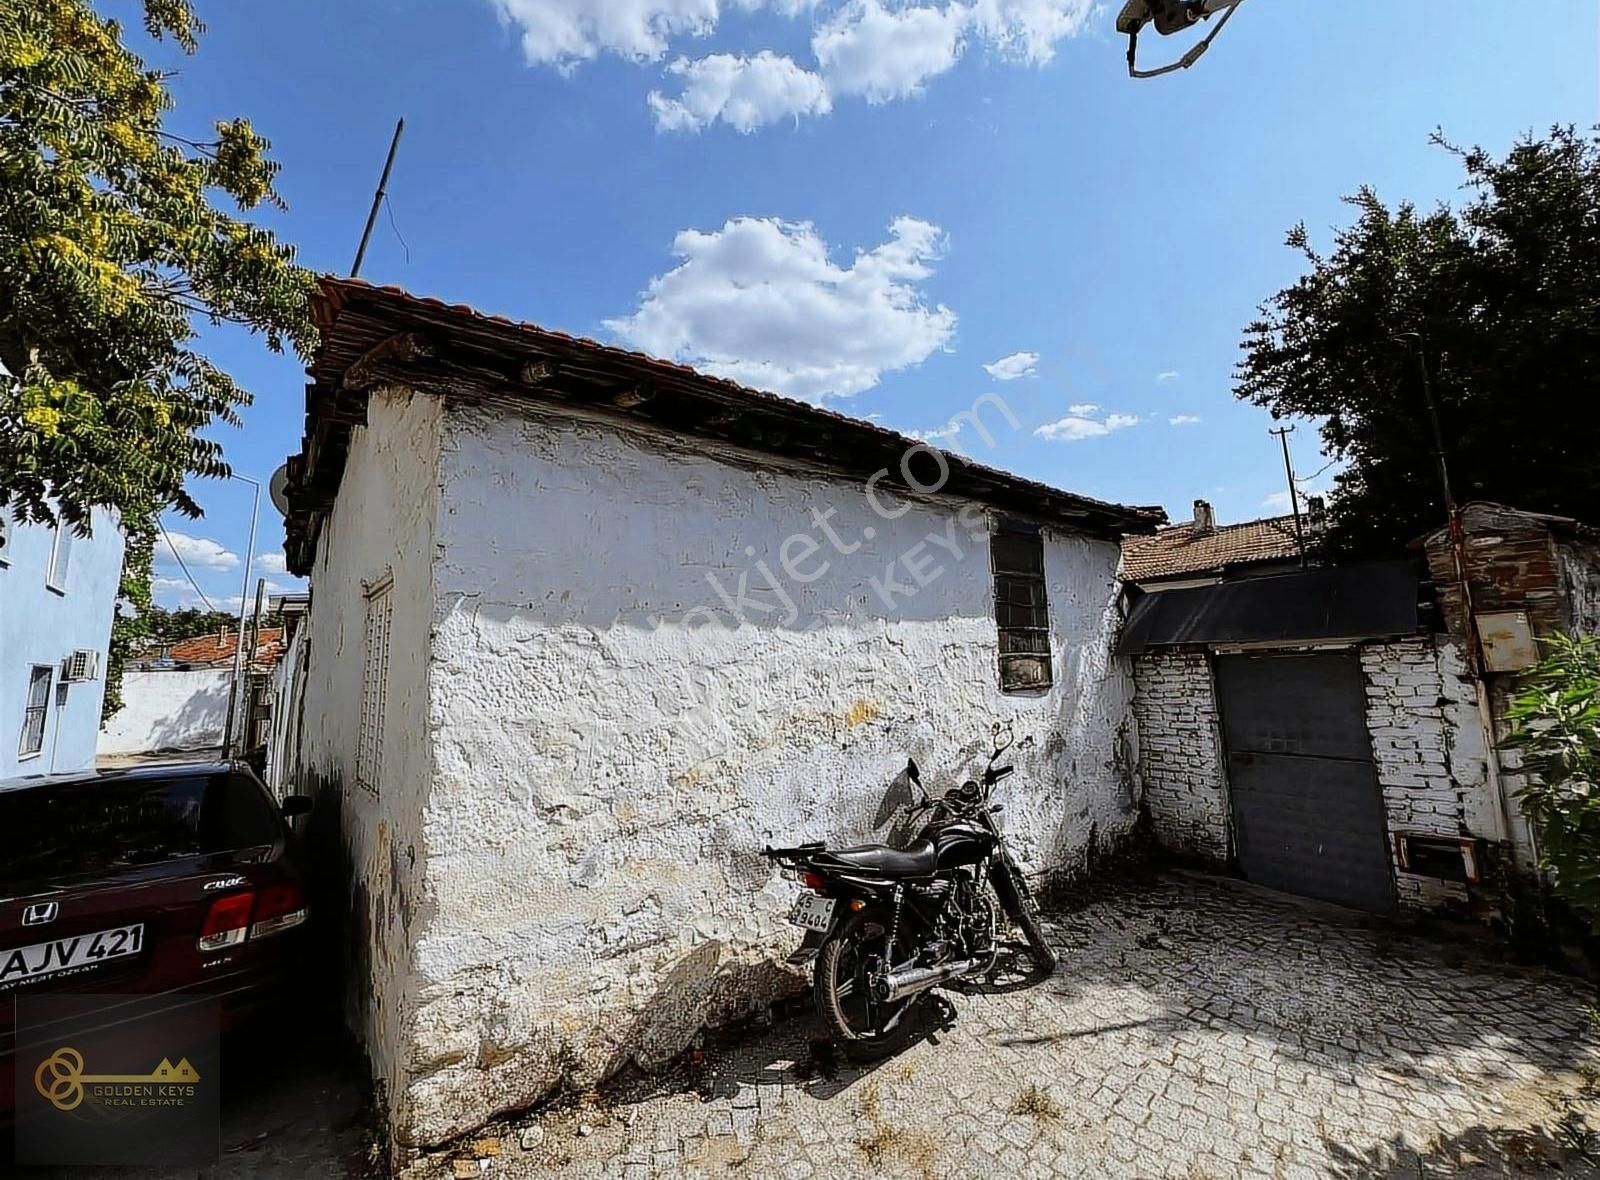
38	708
374	684
1021	606
60	557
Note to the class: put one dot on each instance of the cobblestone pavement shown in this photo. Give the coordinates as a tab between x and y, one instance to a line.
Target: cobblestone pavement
1195	1028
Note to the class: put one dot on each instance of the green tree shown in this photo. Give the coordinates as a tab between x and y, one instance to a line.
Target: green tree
1504	299
1556	726
110	248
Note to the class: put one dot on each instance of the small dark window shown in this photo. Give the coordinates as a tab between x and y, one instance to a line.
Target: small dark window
1021	607
35	710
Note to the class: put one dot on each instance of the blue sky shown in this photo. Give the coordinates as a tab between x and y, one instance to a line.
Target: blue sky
862	202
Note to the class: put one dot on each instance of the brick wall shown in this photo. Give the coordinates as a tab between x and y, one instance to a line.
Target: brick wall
1179	756
1428	746
1511	565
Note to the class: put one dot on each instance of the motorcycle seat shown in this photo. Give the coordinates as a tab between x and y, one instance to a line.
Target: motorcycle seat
917	860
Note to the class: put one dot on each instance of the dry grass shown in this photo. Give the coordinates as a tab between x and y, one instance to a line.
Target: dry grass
1036	1104
895	1144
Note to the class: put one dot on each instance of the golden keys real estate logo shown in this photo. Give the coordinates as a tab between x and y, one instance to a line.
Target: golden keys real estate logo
61	1080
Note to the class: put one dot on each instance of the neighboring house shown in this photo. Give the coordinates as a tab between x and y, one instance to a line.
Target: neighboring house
589	630
285	696
1199	552
1321	730
175	695
58	593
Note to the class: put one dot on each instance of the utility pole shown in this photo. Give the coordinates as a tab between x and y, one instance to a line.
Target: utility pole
1283	433
1458	562
377	198
229	737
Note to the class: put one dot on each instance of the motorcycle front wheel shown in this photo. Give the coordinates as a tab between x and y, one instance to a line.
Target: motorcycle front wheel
1017	901
864	1028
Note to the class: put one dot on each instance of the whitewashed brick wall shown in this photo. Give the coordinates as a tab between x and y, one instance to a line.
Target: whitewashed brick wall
1179	758
1429	748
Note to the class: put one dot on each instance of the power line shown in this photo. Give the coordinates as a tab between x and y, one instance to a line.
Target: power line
179	557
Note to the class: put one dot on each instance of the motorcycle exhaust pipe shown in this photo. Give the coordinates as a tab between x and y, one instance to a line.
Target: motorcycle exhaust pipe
900	984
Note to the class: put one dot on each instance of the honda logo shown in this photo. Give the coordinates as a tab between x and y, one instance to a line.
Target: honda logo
39	913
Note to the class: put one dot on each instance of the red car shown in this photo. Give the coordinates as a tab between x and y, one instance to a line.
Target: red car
173	880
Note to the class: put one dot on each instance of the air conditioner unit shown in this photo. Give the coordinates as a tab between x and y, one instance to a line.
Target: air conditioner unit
83	664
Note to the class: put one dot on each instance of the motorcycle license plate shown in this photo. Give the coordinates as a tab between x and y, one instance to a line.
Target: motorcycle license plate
813	912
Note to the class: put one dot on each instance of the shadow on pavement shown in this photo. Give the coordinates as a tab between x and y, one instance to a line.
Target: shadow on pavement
1479	1151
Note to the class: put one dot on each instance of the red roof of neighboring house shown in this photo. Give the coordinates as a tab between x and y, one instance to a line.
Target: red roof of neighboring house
214	650
1180	550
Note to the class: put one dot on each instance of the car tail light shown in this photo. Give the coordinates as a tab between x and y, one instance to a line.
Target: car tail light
812	880
227	923
280	907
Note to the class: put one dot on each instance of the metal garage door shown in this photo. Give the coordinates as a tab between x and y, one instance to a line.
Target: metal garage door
1307	811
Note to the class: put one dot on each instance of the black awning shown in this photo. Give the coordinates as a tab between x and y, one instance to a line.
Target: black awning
1343	602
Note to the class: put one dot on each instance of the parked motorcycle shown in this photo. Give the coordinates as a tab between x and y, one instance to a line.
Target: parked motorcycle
884	925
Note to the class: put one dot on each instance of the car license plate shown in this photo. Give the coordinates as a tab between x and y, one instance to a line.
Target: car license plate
78	952
813	912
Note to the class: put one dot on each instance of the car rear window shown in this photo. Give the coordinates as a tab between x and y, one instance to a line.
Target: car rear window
90	829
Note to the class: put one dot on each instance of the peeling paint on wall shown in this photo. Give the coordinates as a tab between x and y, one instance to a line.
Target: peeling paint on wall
598	765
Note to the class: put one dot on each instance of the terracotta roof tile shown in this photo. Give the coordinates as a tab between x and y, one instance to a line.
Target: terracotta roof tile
1180	550
209	650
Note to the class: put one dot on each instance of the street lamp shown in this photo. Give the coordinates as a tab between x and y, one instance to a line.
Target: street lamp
228	735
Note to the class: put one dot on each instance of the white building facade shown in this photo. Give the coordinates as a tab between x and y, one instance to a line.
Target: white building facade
571	664
58	594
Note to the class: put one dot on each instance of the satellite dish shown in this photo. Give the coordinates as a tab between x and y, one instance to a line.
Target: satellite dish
277	489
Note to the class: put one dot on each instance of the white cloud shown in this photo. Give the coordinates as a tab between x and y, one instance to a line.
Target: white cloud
1278	501
196	552
1078	426
1167	375
1028	30
881	50
1009	368
564	33
743	92
271	563
759	301
1183	420
1083	409
884	54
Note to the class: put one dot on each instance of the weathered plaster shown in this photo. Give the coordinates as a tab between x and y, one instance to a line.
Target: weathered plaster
1180	754
1428	744
382	524
1580	574
169	710
603	781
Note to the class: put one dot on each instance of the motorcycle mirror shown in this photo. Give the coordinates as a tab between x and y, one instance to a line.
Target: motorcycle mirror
912	772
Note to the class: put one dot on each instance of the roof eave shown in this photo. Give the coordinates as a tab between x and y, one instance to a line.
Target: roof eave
376	336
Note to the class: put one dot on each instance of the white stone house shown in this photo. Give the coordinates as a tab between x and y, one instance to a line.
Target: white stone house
588	631
1321	730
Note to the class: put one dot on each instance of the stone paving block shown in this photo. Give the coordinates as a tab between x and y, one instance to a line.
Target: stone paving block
1319	1042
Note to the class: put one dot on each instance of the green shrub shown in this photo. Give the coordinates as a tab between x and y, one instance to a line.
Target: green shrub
1555	720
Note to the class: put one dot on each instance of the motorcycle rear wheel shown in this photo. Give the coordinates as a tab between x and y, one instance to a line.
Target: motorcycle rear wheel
863	1028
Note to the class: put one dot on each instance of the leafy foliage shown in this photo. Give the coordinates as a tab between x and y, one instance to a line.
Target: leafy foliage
1505	298
1556	726
130	624
109	246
